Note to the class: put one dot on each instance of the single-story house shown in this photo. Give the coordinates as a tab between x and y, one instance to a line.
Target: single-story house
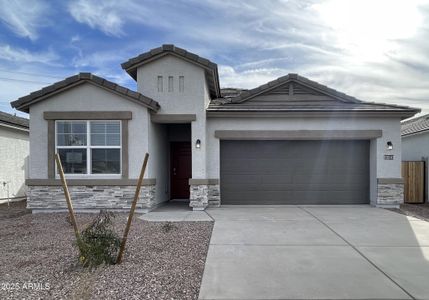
14	151
289	141
415	144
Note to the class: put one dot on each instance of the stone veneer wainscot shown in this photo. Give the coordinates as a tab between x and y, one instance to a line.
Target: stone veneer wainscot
90	197
390	191
203	193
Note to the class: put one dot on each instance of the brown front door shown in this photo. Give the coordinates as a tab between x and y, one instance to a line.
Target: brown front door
180	169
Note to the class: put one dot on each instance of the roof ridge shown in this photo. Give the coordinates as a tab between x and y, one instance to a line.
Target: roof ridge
166	48
413	120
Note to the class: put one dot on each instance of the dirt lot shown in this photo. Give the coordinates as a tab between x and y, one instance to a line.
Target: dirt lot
420	211
39	260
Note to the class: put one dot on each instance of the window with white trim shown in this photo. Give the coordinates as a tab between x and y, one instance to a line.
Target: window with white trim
89	147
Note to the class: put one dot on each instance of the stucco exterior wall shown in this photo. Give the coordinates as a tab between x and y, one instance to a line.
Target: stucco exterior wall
379	168
414	147
193	100
14	151
87	97
159	158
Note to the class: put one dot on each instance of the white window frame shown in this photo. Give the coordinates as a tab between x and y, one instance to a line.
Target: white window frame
88	148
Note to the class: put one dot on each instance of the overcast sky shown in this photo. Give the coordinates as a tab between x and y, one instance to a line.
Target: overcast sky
375	50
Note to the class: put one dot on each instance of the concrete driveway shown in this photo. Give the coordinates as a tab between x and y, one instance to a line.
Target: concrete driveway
316	252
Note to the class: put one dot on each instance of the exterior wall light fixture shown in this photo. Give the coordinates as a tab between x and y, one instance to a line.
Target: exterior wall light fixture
389	145
198	144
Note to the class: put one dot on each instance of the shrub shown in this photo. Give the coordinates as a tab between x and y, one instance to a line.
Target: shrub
98	243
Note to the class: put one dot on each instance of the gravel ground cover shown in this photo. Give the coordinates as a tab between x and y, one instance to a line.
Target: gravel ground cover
420	211
161	261
13	210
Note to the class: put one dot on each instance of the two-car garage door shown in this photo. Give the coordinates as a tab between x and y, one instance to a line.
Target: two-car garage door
294	172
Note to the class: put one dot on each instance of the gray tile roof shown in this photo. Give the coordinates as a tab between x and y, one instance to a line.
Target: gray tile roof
210	68
23	103
11	120
314	97
295	77
416	125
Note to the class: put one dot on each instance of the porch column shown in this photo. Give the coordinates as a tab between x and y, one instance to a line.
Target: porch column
198	186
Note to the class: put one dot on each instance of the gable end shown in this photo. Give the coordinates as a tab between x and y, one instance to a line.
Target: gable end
24	103
209	67
293	85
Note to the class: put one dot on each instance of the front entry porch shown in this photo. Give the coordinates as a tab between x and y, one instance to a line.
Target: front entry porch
178	163
176	211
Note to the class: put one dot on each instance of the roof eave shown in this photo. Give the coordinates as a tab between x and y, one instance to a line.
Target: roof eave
403	114
415	133
132	73
14	126
22	108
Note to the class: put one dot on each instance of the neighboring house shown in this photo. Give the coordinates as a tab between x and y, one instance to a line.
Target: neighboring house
415	143
14	150
290	141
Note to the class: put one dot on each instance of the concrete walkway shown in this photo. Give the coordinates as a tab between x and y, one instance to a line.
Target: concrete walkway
316	252
176	212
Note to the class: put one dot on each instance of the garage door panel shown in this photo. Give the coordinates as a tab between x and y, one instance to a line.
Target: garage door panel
294	172
305	180
259	187
282	198
276	179
290	187
346	179
257	166
254	197
256	148
328	197
298	166
243	178
334	163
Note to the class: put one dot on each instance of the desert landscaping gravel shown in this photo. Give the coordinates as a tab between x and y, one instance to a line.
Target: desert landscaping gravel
39	260
420	211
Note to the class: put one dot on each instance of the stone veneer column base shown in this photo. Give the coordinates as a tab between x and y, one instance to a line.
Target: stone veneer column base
390	192
45	198
203	195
